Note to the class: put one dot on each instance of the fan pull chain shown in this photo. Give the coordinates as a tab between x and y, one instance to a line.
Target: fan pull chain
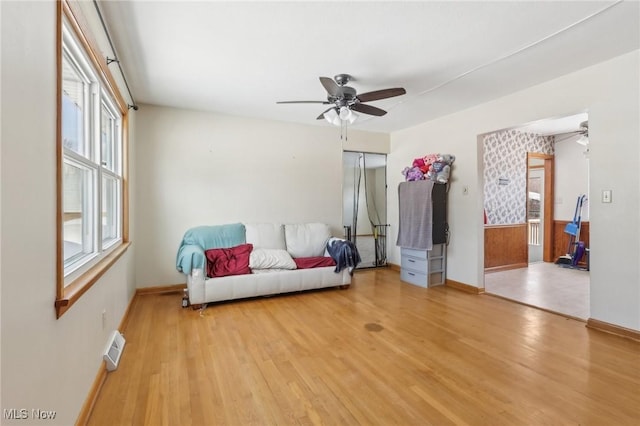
344	133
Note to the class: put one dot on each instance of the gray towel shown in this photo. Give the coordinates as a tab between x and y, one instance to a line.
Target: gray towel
416	215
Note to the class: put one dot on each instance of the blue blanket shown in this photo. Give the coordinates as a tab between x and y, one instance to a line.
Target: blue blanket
344	253
196	240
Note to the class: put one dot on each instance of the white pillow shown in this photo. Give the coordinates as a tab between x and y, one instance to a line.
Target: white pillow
265	235
306	239
261	258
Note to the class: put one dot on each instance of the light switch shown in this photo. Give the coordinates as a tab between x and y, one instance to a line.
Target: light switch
606	196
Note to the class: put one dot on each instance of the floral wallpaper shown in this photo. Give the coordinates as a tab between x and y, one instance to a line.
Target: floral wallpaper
505	173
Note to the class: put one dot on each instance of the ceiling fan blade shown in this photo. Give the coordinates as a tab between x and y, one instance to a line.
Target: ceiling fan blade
303	102
368	109
330	86
321	116
381	94
568	135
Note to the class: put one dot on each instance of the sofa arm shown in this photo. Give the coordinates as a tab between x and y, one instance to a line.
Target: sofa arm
190	256
196	287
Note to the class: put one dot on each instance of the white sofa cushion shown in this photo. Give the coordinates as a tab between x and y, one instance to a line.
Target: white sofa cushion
306	239
262	258
265	235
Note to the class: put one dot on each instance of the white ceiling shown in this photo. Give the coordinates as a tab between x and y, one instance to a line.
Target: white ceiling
555	125
240	58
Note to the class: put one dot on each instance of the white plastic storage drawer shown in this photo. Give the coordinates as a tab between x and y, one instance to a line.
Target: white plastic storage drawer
414	267
423	268
421	254
413	277
414	263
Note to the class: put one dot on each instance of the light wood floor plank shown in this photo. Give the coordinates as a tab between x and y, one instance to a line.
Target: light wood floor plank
381	352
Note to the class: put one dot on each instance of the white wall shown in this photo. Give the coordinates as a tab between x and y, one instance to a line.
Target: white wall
571	178
47	363
610	92
0	222
196	168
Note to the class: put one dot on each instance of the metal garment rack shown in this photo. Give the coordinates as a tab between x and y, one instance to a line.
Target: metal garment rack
379	240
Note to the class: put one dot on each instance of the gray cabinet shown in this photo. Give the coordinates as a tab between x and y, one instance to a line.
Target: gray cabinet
423	268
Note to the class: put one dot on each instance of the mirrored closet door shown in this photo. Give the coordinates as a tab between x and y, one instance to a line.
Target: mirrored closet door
364	204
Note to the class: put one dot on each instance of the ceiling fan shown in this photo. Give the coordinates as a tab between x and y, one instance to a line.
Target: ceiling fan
583	131
345	100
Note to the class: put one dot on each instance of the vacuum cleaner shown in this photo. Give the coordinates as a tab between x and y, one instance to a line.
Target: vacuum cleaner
576	248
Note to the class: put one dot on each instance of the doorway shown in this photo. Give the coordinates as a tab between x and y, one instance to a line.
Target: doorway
540	196
535	204
364	195
552	174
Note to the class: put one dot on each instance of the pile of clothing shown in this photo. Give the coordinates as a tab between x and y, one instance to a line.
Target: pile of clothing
344	253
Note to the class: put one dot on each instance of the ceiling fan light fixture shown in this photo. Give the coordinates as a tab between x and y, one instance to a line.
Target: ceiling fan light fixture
345	112
584	140
336	117
332	117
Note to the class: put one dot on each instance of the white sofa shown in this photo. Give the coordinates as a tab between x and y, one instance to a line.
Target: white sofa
299	240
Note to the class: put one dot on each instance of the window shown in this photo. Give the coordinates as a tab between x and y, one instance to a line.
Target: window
91	171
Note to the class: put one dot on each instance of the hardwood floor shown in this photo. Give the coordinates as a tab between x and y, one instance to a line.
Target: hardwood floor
381	352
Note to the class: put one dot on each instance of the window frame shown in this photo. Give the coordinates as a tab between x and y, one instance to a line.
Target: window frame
69	289
72	159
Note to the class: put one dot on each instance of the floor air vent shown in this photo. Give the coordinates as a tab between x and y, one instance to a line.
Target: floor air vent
113	351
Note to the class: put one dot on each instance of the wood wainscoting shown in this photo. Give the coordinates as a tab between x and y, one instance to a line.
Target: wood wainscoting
505	247
561	239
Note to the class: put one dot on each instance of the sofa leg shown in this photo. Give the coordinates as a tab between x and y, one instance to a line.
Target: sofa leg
344	286
202	308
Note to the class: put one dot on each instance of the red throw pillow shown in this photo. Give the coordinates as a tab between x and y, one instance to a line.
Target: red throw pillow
228	261
313	262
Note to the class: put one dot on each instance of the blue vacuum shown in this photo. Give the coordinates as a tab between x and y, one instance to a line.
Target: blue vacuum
576	249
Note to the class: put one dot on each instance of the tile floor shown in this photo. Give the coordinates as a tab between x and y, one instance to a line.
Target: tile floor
544	285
